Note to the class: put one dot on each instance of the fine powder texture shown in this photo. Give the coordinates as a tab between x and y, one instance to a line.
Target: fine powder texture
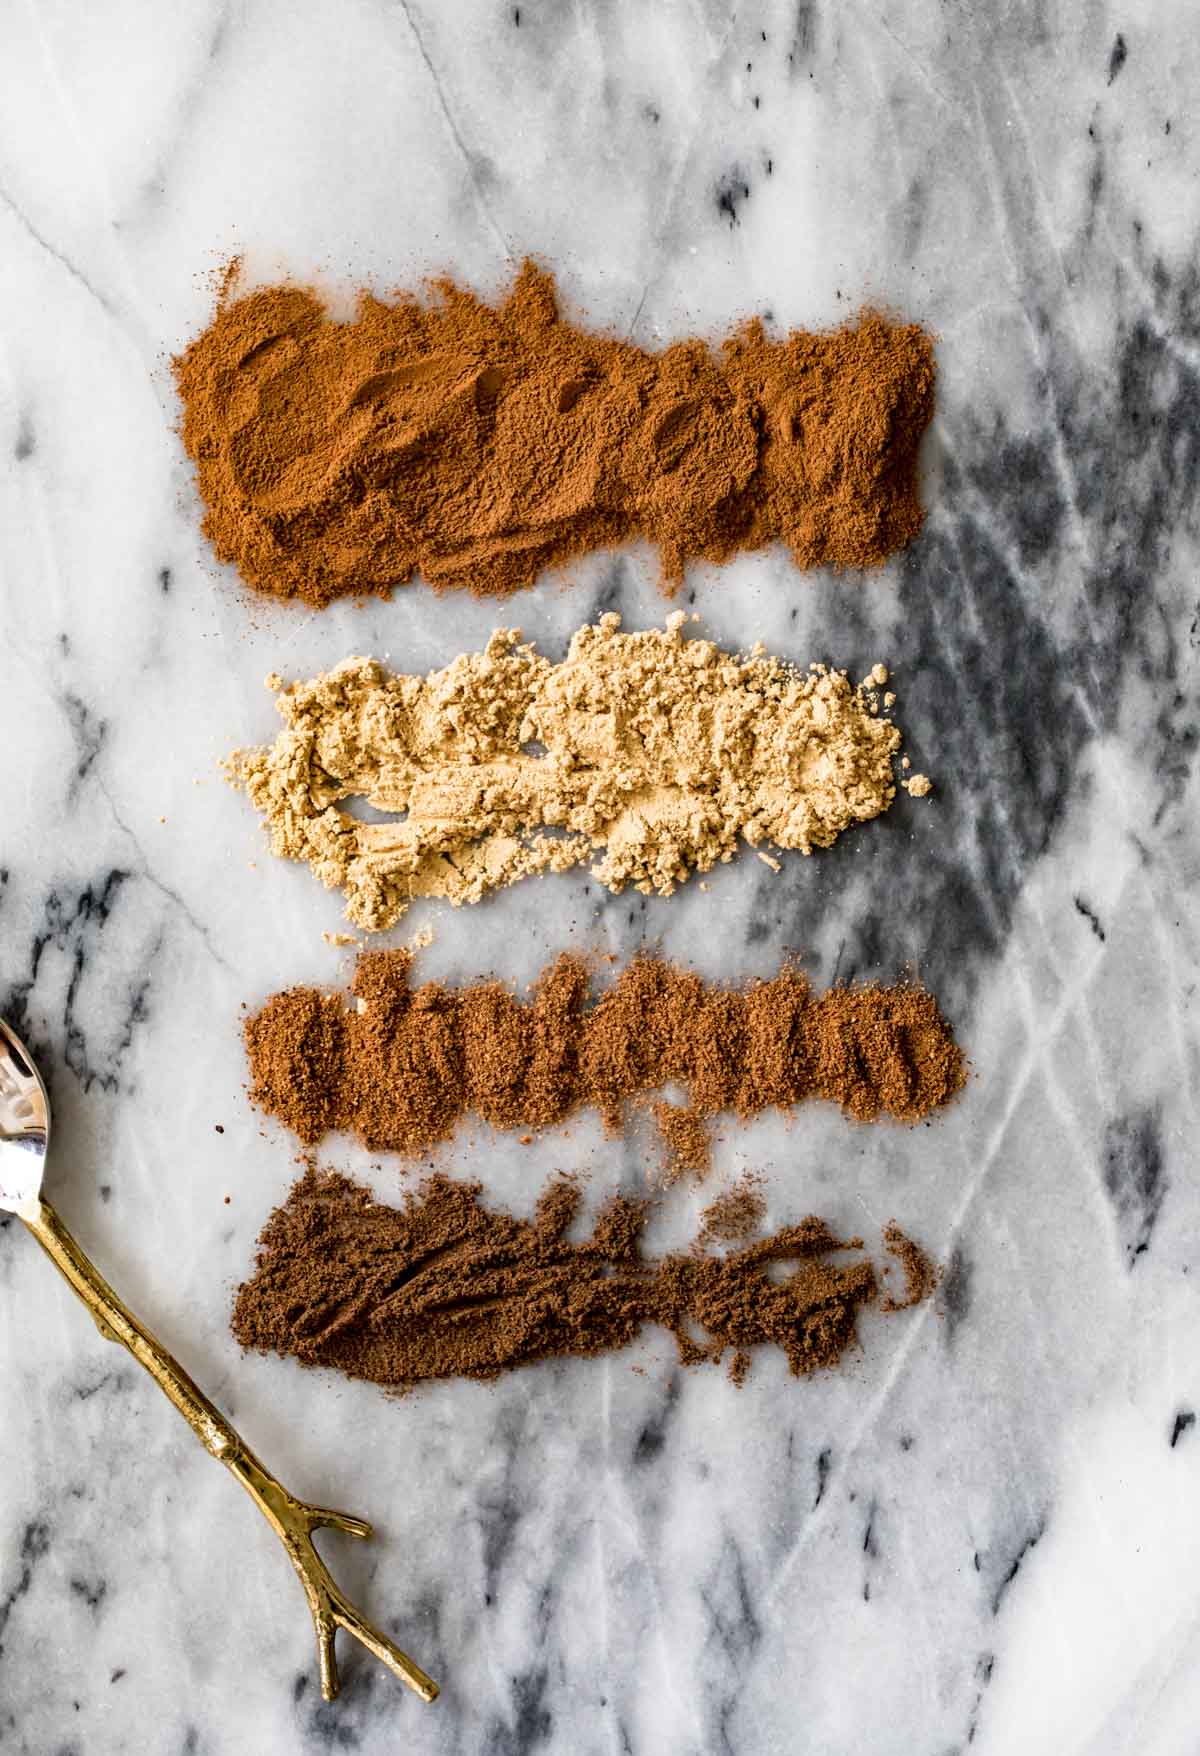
655	752
737	1213
445	1288
481	445
921	1276
402	1066
686	1141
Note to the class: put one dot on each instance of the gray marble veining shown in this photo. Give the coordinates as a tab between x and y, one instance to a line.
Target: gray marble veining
983	1534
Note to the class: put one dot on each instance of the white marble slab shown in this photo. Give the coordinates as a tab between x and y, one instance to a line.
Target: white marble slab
986	1532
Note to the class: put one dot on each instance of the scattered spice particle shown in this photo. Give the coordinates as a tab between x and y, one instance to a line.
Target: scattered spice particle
734	1215
921	1275
685	1138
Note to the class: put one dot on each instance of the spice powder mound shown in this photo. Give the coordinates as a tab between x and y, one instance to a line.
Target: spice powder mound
445	1287
657	754
481	444
402	1066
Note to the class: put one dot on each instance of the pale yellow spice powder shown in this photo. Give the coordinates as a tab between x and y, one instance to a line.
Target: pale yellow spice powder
655	753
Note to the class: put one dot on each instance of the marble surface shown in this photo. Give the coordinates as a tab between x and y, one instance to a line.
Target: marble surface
985	1532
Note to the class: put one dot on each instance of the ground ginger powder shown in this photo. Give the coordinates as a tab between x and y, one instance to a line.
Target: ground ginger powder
649	755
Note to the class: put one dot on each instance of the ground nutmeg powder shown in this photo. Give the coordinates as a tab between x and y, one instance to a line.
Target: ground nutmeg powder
401	1066
479	444
445	1287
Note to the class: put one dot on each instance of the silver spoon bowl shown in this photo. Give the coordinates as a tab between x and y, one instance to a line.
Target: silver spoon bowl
24	1144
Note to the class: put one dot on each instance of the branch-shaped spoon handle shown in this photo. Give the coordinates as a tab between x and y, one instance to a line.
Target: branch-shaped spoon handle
293	1520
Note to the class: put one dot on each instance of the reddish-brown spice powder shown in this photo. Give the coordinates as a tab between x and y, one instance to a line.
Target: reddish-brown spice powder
402	1072
480	444
445	1287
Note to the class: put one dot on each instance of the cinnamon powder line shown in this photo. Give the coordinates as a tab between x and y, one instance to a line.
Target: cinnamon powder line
445	1287
481	444
402	1066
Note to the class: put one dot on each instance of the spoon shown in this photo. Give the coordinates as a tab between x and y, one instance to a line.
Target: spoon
24	1141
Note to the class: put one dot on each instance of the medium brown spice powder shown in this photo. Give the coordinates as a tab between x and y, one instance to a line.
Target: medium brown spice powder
735	1213
481	444
445	1287
403	1066
685	1139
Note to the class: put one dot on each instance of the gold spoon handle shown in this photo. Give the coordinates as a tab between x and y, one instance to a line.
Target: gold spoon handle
293	1520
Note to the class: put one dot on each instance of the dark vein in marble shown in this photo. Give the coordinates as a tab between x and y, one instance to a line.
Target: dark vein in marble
1010	1570
87	734
824	1466
1134	1177
186	108
25	443
1185	1420
1091	917
143	872
984	665
34	1547
727	1596
531	1722
732	190
955	1292
985	1664
500	1506
479	168
73	923
652	1437
91	1592
64	261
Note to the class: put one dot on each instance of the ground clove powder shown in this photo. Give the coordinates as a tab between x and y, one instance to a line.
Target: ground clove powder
445	1287
480	444
402	1066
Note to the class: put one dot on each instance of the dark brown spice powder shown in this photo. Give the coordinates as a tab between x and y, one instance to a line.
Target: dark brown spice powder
445	1288
404	1070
